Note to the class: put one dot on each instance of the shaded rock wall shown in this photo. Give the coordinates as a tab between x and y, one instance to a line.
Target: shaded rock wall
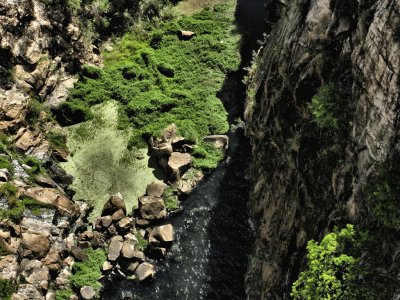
306	179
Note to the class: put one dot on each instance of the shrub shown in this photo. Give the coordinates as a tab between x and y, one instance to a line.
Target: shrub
331	272
327	106
206	157
5	163
57	139
35	107
35	166
88	272
63	294
7	288
8	190
142	242
73	112
171	200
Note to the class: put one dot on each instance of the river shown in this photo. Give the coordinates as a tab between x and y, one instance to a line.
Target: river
214	238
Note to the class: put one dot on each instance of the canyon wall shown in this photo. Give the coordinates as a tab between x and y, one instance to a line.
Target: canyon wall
307	179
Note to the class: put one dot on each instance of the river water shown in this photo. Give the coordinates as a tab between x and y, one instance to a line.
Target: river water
214	238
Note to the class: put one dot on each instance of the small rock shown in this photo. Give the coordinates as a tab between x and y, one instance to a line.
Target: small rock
156	189
115	203
106	221
27	292
118	215
52	261
142	222
220	141
78	254
125	223
4	175
115	248
145	271
97	240
186	35
132	267
112	230
139	255
107	266
86	236
88	293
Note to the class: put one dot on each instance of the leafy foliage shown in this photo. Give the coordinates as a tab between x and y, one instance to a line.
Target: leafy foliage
142	242
206	156
63	294
383	194
171	200
327	106
331	272
88	272
7	288
57	139
161	79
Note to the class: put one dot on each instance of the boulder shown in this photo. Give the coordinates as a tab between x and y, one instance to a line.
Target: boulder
52	261
107	266
169	132
115	248
163	149
145	271
9	267
51	197
152	208
87	293
97	240
27	292
139	255
36	242
164	233
178	163
132	267
35	273
156	189
106	221
45	181
220	141
27	140
128	249
58	174
78	253
4	175
116	202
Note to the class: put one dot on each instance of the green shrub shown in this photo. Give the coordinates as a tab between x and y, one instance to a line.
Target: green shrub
73	112
88	272
7	288
5	163
57	139
35	166
35	107
63	294
170	199
331	273
8	190
142	242
327	106
383	194
206	157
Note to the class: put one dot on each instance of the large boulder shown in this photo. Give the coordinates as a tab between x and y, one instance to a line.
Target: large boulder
156	189
27	139
145	271
128	249
9	267
115	203
152	208
115	248
27	292
37	243
52	261
164	233
178	164
51	197
78	253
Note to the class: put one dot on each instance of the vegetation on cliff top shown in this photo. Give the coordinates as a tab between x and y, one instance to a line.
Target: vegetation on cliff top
159	79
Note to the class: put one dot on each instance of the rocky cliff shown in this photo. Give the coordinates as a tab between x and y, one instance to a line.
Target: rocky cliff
307	178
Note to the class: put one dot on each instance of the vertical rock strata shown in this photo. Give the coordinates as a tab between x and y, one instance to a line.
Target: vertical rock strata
306	178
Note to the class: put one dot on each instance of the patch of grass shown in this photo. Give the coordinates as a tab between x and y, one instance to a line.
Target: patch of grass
5	163
7	288
206	156
8	190
57	139
17	207
159	79
35	165
170	199
142	242
88	272
35	108
64	294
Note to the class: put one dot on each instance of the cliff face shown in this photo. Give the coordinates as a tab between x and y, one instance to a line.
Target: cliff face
305	178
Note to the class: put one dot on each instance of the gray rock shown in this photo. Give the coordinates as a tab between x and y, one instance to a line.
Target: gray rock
164	233
156	189
145	271
178	164
88	293
128	249
152	208
220	141
115	248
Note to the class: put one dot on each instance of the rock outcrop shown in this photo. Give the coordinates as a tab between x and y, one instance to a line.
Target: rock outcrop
305	179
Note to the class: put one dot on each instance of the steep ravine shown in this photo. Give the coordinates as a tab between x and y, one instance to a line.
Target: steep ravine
306	179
